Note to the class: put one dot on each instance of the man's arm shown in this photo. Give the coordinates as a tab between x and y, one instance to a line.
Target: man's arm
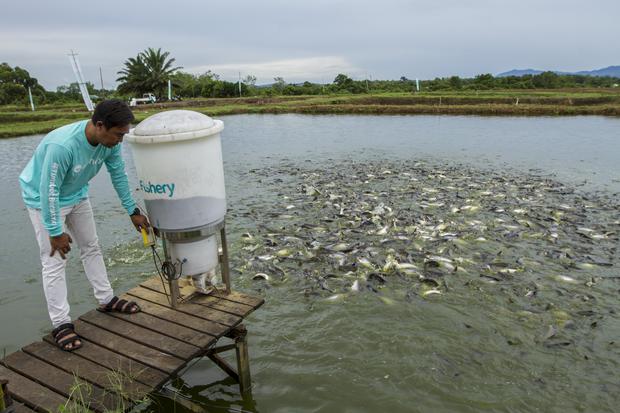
55	166
116	168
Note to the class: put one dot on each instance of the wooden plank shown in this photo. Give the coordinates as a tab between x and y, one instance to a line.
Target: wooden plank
241	298
217	303
111	380
168	328
241	310
60	381
165	313
115	361
221	302
139	352
154	283
20	408
211	314
141	335
33	394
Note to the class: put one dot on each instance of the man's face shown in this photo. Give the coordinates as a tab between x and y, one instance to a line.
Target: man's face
110	137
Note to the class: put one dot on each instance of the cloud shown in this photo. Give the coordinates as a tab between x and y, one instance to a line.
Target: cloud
318	69
312	40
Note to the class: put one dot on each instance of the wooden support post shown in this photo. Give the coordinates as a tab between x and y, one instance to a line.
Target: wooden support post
221	349
174	293
221	363
239	334
225	266
242	375
5	398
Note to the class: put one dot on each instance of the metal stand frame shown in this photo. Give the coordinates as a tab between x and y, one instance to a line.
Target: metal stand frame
224	265
238	333
223	256
173	285
242	375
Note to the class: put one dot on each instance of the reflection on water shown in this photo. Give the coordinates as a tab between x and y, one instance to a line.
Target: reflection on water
531	327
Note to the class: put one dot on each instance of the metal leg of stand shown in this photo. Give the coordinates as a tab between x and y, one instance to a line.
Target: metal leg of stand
172	284
174	293
225	265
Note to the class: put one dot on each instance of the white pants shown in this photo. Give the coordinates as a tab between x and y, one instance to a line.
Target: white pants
80	224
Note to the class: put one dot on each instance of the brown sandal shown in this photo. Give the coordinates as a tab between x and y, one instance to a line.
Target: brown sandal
120	306
65	337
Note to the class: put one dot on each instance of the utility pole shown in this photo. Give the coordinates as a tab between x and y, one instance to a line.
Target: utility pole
169	90
75	64
239	84
101	78
30	96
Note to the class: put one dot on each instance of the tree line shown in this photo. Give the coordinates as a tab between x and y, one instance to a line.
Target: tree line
151	69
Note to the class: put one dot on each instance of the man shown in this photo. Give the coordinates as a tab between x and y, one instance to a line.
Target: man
55	190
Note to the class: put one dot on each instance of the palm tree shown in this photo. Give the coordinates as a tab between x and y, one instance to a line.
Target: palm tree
147	72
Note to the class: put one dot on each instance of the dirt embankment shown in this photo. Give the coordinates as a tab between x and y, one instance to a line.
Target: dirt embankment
17	123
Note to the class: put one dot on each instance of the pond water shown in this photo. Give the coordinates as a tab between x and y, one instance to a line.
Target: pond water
414	263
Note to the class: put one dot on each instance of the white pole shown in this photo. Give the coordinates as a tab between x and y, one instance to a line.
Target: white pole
239	84
169	90
30	96
417	85
75	64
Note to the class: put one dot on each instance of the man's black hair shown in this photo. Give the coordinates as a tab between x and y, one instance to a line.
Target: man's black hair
113	112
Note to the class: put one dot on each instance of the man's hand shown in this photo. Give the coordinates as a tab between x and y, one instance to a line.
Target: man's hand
139	221
61	243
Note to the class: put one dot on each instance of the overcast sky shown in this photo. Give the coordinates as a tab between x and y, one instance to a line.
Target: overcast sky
310	40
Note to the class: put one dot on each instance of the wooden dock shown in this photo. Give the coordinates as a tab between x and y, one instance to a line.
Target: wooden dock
124	357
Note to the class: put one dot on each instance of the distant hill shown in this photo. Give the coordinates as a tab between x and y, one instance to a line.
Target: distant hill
520	72
611	71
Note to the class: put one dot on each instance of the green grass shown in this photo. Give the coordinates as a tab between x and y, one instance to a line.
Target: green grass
16	121
81	392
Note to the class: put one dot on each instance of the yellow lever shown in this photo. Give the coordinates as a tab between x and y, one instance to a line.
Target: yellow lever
148	237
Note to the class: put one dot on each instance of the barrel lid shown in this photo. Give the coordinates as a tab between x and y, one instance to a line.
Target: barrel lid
174	125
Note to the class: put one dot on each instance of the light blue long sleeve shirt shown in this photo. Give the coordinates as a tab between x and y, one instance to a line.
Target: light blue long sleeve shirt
60	169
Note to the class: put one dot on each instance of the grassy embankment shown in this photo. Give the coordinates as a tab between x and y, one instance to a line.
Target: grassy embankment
18	121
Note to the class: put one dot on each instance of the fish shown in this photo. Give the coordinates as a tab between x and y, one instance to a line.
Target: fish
421	227
387	300
431	292
382	231
365	262
340	247
508	270
566	279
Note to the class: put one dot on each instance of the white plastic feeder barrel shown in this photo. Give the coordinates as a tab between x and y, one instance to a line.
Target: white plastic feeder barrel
178	159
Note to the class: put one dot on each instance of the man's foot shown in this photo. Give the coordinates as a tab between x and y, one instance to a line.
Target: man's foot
65	337
120	306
